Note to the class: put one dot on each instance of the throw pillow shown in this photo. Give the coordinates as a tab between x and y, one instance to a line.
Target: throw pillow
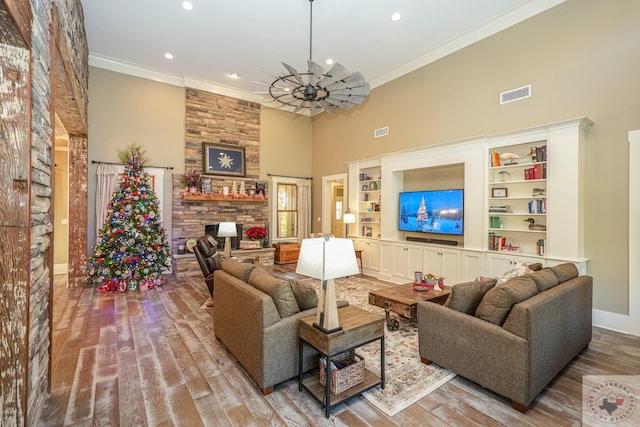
565	271
240	270
519	270
278	289
306	295
214	262
545	279
498	301
465	297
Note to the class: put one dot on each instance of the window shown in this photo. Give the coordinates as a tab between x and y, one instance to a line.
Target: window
287	213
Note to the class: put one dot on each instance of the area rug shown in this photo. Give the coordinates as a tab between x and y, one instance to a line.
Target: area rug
407	378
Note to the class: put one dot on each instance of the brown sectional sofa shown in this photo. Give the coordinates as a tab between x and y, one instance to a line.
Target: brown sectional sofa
512	338
256	317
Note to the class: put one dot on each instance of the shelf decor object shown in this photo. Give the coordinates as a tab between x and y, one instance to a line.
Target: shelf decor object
316	89
326	259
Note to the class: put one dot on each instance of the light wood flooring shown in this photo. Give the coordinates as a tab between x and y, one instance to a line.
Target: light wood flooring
150	358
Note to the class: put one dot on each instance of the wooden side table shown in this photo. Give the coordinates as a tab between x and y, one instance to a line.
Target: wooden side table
359	327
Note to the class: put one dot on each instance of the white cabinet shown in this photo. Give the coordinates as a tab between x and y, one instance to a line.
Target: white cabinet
407	259
442	262
370	254
386	260
471	265
499	263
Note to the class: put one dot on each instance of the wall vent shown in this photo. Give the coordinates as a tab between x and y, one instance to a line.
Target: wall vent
515	94
378	133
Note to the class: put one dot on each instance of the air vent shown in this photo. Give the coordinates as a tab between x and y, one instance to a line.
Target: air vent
515	94
378	133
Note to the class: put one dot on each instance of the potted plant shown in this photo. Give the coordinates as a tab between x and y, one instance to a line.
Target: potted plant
257	233
193	180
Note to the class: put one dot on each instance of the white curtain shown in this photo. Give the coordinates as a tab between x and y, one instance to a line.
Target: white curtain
304	208
108	176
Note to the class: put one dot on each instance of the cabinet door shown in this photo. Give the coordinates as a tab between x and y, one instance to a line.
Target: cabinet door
370	254
450	266
407	259
471	265
386	258
501	263
432	261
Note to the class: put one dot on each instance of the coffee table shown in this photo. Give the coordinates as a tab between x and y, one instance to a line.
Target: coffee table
403	298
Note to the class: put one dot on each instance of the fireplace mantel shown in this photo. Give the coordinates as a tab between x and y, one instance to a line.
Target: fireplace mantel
218	198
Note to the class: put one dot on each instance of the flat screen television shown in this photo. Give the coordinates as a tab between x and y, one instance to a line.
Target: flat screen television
433	211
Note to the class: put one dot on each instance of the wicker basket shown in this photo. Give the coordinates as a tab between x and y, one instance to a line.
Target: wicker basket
345	378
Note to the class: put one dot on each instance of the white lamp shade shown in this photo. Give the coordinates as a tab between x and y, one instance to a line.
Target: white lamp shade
349	218
326	259
227	229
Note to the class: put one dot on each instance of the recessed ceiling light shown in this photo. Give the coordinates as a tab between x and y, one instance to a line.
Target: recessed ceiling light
187	5
329	61
234	75
168	55
396	17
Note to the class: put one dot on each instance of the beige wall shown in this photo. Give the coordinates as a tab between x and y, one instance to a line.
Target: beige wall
285	143
126	109
582	58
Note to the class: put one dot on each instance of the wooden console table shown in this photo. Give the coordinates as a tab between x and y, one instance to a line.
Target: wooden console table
359	327
403	298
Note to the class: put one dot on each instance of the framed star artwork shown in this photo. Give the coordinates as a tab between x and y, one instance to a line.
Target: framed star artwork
222	159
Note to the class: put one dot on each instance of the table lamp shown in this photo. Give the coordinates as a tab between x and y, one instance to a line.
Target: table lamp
326	259
227	230
348	218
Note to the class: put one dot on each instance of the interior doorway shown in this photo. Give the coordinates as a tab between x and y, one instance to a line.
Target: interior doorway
61	203
334	204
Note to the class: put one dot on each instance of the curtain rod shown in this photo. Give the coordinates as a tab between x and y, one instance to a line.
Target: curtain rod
112	163
289	176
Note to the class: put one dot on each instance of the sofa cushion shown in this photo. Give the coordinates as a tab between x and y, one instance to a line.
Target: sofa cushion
306	295
520	270
278	289
214	262
465	297
498	301
545	279
565	271
239	270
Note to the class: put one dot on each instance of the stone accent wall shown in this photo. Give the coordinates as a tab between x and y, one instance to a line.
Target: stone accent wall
72	33
221	119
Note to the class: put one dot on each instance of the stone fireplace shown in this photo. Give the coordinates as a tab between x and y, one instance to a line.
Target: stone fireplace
212	118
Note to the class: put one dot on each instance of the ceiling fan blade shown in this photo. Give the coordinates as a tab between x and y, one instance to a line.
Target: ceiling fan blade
354	99
328	107
360	91
294	72
336	73
354	80
316	70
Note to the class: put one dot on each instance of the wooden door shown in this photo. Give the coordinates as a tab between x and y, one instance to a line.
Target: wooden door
14	225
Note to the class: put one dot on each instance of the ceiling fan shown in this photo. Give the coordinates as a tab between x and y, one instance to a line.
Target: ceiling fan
317	89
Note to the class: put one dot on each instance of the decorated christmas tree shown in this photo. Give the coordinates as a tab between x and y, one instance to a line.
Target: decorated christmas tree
131	250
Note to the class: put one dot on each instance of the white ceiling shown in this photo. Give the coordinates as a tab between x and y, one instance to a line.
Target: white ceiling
252	37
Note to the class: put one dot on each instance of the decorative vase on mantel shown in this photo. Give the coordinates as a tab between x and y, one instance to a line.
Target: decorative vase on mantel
193	189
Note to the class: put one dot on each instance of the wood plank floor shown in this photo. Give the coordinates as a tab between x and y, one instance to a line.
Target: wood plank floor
151	359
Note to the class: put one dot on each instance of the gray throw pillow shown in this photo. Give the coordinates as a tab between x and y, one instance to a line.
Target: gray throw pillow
565	271
306	295
545	279
465	297
239	270
278	289
498	301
